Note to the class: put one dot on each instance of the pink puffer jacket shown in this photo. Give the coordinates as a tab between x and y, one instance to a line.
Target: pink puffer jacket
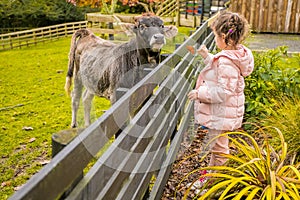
220	86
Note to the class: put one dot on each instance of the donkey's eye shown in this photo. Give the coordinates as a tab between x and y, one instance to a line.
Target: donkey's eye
162	26
142	27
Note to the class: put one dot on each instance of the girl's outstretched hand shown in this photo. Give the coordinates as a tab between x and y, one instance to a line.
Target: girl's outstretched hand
203	51
191	49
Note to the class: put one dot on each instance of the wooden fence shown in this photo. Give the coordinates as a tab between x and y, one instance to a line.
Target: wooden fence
34	36
276	16
110	24
96	22
167	8
151	118
9	30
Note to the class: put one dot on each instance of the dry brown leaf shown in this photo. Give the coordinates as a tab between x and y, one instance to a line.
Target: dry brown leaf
32	140
27	128
6	183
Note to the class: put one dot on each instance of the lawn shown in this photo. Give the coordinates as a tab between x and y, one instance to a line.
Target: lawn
33	106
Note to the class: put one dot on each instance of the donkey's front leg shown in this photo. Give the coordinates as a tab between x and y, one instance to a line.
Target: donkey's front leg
76	95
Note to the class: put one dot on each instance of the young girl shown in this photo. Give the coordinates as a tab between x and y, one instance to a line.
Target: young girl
219	93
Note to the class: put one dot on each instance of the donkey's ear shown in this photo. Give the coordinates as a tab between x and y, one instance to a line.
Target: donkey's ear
170	31
129	28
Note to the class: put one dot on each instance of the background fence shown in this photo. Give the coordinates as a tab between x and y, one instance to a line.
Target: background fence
276	16
96	22
34	36
9	30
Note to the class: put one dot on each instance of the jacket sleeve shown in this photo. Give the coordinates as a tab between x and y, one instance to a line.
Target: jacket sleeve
226	84
208	59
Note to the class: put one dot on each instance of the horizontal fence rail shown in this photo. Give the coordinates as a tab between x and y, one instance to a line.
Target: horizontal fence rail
9	30
32	37
167	8
151	118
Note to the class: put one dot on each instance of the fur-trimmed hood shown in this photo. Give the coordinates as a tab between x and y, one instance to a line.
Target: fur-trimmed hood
242	58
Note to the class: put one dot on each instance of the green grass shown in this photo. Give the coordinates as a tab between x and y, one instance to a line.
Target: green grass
33	78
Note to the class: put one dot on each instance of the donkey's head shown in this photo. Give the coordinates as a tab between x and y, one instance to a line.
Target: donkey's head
151	32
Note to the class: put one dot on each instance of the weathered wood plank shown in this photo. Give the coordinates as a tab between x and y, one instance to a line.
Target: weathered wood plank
164	172
252	10
288	15
152	156
270	15
297	21
106	31
277	16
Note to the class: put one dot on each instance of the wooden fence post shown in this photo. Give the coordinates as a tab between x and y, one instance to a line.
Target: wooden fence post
11	43
177	23
34	37
59	141
63	138
110	26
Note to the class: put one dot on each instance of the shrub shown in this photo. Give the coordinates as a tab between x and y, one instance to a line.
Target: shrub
274	76
285	116
254	171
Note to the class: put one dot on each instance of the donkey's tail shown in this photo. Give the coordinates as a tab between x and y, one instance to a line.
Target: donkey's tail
78	34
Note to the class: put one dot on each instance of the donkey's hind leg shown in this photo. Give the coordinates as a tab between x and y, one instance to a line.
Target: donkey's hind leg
87	99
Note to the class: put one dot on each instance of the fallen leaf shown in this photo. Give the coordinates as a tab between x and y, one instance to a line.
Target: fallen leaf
60	71
32	140
27	128
6	183
17	188
44	162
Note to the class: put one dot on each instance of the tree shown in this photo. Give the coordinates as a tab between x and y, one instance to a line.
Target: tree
37	13
154	6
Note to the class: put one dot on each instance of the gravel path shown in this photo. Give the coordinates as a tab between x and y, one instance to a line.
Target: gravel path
262	42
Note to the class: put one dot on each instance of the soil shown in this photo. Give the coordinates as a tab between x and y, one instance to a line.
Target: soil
185	168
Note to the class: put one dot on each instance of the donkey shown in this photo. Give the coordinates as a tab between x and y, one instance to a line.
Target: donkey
99	65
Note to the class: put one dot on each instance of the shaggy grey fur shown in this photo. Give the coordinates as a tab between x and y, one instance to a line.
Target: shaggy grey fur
99	65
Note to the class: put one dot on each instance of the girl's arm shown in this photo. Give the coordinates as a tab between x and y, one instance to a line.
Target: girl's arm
203	52
227	83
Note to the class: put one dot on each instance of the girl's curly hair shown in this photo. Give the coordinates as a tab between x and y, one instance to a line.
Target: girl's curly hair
234	26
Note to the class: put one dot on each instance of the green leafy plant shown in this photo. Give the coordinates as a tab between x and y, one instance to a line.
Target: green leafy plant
256	170
275	75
